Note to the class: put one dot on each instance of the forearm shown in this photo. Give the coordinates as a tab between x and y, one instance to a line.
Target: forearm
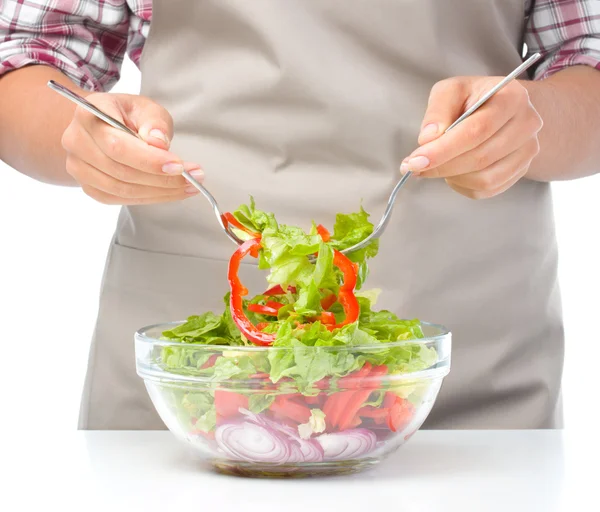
569	104
32	121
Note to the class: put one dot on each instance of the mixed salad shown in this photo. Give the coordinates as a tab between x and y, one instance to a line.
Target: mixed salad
322	391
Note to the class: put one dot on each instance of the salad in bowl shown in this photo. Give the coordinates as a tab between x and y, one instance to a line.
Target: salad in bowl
305	378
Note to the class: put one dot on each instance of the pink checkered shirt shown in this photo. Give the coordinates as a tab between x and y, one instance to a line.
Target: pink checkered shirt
87	39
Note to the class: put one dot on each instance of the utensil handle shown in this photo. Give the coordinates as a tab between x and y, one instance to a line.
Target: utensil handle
85	104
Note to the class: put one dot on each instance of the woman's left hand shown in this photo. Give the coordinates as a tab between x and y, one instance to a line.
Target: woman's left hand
489	151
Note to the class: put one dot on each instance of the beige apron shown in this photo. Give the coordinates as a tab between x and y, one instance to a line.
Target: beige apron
310	106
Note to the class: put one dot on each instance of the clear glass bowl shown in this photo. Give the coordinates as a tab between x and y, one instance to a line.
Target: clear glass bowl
253	427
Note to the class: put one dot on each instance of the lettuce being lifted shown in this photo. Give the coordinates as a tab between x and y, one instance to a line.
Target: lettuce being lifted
324	387
306	304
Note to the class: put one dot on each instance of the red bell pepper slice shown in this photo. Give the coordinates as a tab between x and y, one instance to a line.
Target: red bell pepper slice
368	411
275	305
389	399
359	397
278	290
259	376
228	218
323	383
350	270
346	296
238	291
290	409
327	318
210	362
228	403
325	235
327	302
263	310
356	422
313	400
336	403
400	414
353	379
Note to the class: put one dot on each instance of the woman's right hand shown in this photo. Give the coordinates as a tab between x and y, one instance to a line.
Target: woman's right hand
114	167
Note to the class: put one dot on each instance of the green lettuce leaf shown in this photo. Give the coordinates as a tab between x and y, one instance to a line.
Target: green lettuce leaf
257	403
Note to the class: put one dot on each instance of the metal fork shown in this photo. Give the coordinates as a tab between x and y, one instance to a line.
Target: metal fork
380	228
83	103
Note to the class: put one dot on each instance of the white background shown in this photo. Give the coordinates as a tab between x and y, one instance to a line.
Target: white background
54	241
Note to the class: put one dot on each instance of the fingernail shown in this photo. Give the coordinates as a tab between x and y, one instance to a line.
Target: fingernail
418	163
197	174
428	131
159	134
172	168
190	189
404	168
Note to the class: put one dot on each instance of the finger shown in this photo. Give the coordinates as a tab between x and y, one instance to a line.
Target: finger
89	176
143	115
446	103
497	175
506	141
469	134
81	144
486	194
132	152
151	120
123	147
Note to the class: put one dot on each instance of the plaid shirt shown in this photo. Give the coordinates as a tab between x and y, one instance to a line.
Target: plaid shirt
87	39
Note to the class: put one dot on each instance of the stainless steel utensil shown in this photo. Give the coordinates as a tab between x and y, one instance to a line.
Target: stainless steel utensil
83	103
380	228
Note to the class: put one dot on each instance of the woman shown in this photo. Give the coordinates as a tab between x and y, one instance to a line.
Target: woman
311	106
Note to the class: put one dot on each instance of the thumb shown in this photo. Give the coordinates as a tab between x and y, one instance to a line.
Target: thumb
152	122
446	103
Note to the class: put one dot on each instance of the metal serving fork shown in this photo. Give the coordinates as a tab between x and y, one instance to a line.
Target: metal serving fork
83	103
380	228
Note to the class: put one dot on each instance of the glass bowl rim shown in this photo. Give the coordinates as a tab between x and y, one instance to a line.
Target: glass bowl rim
444	335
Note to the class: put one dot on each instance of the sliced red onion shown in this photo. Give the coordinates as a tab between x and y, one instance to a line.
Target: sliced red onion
253	443
311	450
303	450
296	454
350	444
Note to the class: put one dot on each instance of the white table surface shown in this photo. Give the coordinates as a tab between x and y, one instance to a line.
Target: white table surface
508	471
